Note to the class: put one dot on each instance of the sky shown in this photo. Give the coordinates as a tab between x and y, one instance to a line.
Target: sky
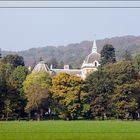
21	29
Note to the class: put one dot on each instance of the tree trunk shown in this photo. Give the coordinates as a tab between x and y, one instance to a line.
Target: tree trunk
29	117
7	114
117	116
38	116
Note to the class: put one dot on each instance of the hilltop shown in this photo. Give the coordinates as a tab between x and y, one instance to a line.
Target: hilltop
74	53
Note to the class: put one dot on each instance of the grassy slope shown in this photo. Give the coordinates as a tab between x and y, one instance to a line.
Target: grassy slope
70	130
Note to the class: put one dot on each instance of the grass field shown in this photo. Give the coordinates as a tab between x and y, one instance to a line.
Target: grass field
70	130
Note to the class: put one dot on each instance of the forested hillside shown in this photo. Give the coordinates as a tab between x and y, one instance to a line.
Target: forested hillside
74	54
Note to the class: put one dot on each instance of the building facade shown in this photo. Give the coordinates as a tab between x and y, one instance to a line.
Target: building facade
90	64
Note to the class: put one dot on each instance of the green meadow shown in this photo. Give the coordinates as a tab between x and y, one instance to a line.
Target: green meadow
70	130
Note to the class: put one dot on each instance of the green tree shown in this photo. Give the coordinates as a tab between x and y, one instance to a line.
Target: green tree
8	93
16	80
15	60
61	65
19	75
136	61
122	72
37	90
113	90
108	54
125	100
7	108
127	56
54	63
125	97
100	88
11	93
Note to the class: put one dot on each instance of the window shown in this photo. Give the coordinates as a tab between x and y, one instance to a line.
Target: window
95	64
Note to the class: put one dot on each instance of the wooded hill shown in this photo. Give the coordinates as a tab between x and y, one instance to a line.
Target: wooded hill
74	54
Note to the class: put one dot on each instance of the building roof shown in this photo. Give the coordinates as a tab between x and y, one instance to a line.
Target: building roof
41	67
68	71
92	57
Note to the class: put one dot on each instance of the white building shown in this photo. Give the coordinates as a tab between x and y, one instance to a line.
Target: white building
90	64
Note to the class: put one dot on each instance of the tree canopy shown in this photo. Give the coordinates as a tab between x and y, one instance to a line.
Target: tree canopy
14	60
108	54
113	91
136	61
37	91
69	92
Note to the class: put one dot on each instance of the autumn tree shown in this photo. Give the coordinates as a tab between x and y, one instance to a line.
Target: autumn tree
37	91
68	91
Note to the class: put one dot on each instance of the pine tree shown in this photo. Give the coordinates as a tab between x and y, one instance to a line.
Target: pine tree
108	54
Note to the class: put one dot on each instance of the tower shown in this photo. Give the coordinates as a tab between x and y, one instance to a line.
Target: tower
91	62
94	47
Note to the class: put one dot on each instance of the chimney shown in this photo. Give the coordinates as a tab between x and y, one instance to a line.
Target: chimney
51	67
66	67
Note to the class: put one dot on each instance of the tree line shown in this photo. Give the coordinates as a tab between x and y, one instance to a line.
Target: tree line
111	92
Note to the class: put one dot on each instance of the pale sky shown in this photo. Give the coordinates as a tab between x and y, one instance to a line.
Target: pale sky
21	29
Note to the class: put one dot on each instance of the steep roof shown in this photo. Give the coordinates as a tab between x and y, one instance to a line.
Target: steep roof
41	67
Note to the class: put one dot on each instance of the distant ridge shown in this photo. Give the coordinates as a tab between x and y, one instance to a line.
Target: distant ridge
74	54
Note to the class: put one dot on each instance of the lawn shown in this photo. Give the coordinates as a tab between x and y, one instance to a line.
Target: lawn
70	130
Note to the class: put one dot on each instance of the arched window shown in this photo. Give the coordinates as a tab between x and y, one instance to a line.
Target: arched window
95	64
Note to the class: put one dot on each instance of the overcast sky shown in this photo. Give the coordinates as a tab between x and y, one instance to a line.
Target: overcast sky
22	29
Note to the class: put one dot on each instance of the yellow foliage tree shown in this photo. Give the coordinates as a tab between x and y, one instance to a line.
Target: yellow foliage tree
67	90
